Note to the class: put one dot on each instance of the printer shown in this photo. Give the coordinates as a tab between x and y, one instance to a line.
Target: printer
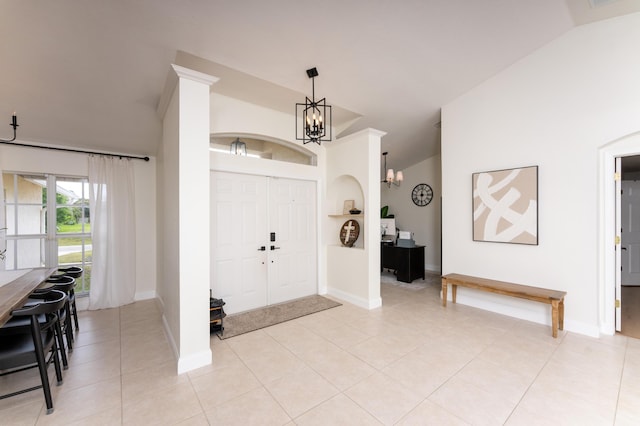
405	239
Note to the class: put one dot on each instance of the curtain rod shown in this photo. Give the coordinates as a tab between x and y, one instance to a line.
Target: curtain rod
133	157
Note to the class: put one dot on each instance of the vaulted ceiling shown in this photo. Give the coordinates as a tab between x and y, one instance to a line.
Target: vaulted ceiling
89	73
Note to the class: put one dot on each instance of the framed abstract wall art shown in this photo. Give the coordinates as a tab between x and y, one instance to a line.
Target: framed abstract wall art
505	206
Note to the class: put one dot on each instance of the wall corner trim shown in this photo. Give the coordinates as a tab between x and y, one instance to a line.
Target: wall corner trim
175	73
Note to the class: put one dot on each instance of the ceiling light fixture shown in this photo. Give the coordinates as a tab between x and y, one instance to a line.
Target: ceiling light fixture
238	147
390	177
14	124
313	118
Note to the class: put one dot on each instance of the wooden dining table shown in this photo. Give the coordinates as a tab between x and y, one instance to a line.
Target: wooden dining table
14	293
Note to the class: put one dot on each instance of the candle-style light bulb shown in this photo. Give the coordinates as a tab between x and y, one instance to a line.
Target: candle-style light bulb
14	120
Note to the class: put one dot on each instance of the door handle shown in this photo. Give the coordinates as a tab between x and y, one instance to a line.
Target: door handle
624	248
262	248
275	248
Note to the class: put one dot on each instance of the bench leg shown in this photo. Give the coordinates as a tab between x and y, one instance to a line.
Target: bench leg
444	292
454	291
561	315
554	317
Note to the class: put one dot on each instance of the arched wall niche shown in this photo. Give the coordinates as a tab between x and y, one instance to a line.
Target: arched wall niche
343	188
265	147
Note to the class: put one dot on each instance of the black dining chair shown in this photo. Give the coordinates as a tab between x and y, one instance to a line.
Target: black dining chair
74	272
18	324
66	285
26	348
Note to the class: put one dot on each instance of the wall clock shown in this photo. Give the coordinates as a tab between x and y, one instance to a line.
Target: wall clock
422	194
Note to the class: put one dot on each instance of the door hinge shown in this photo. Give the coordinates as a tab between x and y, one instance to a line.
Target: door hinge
617	239
617	303
616	176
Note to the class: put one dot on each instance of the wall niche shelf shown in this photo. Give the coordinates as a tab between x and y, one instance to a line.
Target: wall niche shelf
345	187
345	247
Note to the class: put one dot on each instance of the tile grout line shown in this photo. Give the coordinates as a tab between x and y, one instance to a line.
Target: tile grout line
624	363
535	378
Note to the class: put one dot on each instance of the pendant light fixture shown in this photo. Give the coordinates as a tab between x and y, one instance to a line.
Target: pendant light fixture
238	147
390	177
313	118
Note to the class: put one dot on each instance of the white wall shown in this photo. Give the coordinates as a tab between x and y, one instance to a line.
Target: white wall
555	109
19	159
168	227
424	221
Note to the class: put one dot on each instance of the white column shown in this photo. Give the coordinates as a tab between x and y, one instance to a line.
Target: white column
184	222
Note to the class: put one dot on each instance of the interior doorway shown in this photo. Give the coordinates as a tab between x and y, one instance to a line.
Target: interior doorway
263	240
628	288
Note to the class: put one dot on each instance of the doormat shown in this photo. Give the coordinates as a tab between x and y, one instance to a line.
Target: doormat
244	322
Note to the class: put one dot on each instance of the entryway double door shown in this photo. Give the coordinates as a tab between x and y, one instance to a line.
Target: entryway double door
263	240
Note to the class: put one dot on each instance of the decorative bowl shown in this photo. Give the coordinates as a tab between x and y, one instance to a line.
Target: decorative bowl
355	211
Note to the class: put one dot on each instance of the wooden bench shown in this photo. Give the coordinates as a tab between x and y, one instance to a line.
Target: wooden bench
553	297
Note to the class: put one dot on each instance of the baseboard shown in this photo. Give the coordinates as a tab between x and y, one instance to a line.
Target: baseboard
189	362
434	269
522	309
169	335
144	295
581	328
193	361
355	300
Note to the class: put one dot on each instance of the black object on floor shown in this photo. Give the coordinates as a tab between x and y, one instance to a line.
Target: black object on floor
216	315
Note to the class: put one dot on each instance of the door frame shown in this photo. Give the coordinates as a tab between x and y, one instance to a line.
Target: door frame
626	146
220	162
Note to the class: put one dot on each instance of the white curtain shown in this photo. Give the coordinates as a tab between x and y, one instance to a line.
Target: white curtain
111	200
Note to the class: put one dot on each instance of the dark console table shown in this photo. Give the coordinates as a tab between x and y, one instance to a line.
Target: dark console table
407	262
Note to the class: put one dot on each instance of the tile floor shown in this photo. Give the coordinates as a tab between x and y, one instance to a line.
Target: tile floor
410	362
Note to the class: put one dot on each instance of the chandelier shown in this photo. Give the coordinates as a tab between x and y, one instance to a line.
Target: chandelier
313	118
390	177
14	124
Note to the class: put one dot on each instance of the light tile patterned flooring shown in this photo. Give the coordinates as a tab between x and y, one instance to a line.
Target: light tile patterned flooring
411	362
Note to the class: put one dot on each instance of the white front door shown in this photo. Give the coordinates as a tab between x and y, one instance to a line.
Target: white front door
292	263
630	216
247	213
238	229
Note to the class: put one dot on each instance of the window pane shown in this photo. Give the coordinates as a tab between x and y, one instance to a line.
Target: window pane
30	253
70	251
31	219
264	149
76	251
9	193
83	284
72	212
